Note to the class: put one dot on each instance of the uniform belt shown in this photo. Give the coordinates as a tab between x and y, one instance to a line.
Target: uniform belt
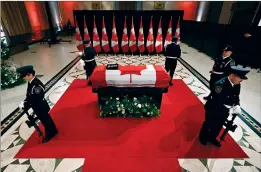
219	73
88	60
228	106
171	57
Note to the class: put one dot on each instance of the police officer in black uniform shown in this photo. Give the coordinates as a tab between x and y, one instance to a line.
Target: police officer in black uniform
221	68
35	99
89	59
225	101
172	54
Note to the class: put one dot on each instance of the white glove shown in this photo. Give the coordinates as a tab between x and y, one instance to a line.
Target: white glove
21	105
231	111
237	109
82	62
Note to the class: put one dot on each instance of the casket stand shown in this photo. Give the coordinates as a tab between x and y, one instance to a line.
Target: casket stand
134	100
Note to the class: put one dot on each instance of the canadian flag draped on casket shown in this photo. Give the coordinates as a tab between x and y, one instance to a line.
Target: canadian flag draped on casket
131	76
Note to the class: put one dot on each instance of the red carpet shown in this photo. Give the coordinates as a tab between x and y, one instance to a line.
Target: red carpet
130	144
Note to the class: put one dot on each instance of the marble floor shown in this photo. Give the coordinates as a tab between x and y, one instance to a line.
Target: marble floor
46	61
246	135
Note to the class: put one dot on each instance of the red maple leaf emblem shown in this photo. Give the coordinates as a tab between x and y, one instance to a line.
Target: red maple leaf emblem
131	69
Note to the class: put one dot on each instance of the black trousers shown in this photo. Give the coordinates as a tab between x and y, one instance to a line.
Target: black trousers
42	112
170	66
89	68
215	118
213	79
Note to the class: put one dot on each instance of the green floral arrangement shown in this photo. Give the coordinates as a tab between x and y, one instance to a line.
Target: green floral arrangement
9	77
142	106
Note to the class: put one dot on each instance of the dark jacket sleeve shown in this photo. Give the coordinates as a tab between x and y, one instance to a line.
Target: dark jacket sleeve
222	95
167	50
219	93
93	52
37	93
179	52
236	94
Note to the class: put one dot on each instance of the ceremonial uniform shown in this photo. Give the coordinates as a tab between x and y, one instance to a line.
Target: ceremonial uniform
225	97
172	53
220	69
89	60
35	99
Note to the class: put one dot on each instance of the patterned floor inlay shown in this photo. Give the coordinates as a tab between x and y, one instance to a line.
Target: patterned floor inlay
17	135
17	113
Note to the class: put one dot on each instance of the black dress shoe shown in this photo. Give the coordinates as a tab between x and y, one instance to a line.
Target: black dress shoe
215	142
207	98
45	140
203	142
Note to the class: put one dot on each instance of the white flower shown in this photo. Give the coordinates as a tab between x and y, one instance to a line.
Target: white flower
119	109
117	98
118	106
148	113
110	97
121	105
139	105
134	98
135	104
123	112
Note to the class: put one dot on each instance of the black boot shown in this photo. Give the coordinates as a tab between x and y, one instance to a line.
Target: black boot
207	97
48	138
215	142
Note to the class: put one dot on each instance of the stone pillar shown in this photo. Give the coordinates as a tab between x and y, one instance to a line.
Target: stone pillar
226	14
202	11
